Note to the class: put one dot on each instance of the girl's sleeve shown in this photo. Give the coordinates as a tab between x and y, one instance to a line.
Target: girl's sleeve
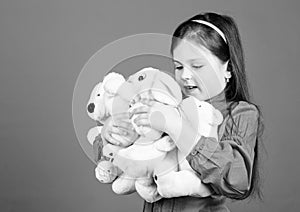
226	165
97	148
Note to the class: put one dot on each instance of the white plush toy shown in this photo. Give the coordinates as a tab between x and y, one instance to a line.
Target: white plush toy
101	99
100	107
151	150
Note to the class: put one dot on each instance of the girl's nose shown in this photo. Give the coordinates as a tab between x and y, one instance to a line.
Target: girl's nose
186	74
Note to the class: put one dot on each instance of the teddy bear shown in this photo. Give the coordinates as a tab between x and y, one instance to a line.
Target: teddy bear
140	160
99	108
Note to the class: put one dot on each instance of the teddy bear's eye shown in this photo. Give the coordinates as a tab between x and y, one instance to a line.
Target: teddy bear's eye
142	77
199	105
98	94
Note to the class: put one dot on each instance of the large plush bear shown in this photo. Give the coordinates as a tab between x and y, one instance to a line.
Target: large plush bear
153	150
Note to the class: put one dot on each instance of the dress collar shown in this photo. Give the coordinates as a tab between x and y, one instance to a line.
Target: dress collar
219	102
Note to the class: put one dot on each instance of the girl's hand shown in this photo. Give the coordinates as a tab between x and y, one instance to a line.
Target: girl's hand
118	130
157	116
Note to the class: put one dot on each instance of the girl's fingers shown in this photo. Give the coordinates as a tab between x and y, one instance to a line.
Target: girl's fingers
124	125
121	116
110	139
142	119
118	131
138	110
147	101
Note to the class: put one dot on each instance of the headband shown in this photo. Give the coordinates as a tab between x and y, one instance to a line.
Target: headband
212	26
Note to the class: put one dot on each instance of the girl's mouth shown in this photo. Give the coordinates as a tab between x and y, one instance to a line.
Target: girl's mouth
190	88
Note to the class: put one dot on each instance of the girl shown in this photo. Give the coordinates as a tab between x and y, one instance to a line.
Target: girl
209	65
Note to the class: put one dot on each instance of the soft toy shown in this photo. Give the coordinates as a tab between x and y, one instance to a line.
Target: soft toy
100	107
139	161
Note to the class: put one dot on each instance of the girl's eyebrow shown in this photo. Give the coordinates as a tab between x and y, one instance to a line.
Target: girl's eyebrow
176	61
197	59
191	60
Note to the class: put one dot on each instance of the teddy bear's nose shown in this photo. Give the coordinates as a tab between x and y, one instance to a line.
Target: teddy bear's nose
91	107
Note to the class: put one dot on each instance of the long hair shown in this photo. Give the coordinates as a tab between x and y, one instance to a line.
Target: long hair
237	88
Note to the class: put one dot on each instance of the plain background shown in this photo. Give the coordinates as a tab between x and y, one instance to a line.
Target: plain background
43	47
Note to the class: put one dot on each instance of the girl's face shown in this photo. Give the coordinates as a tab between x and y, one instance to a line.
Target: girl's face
198	72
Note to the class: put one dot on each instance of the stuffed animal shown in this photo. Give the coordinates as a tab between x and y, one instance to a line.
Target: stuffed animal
139	161
99	108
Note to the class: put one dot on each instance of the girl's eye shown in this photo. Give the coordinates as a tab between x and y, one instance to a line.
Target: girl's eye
178	67
197	66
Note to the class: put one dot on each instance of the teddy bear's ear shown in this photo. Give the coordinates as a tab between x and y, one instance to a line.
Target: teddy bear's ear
112	82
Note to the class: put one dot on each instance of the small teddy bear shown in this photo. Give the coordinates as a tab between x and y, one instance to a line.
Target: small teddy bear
100	107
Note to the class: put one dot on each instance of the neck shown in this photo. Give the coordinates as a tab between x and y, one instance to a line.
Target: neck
219	102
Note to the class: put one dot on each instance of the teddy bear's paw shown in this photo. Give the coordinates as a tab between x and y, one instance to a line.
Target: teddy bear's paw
148	192
105	172
124	185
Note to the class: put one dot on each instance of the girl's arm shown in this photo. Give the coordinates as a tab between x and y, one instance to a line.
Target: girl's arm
226	165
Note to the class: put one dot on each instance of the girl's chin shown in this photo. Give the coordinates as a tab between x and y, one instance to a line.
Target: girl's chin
195	93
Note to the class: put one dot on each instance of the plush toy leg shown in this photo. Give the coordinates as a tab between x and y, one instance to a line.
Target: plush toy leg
124	185
182	183
170	163
147	189
106	172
